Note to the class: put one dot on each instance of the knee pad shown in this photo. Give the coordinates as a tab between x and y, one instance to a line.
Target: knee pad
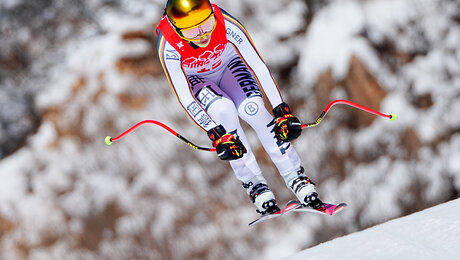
251	108
224	112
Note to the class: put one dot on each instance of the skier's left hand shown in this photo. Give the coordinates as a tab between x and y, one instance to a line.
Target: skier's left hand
287	127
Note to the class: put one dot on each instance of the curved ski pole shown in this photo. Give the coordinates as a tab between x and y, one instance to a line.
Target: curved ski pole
109	140
346	102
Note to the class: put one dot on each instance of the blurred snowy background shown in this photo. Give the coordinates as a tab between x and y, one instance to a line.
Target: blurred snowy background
72	72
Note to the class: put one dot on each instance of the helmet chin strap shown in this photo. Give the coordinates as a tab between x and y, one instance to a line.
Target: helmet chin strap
202	45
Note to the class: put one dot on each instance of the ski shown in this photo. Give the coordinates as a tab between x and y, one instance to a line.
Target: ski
325	209
290	206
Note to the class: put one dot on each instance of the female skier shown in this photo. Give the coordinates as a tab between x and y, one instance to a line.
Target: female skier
217	75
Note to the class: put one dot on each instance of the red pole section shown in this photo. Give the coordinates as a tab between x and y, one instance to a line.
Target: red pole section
109	140
114	139
349	103
346	102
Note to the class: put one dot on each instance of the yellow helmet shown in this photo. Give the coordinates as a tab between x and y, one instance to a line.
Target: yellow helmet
187	13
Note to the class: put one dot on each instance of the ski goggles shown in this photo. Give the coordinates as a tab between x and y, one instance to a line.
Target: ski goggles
195	33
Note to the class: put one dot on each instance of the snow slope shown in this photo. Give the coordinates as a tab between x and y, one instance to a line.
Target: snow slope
430	234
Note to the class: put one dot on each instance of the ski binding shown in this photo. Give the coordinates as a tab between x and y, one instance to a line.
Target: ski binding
290	206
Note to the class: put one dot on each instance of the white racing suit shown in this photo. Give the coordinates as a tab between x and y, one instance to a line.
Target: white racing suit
223	82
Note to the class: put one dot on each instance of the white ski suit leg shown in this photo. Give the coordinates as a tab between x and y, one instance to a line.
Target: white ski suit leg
283	155
238	95
239	84
222	109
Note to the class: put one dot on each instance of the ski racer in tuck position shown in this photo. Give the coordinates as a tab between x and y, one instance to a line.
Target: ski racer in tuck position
218	76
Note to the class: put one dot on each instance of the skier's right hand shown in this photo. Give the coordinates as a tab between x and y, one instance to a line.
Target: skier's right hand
228	147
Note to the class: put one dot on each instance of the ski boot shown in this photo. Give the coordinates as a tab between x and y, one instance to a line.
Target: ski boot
303	188
261	195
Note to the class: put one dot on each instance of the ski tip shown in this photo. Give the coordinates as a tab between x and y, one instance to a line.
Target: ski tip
393	117
339	208
108	140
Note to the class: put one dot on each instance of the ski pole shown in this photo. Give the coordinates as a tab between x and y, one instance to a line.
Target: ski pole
109	140
392	117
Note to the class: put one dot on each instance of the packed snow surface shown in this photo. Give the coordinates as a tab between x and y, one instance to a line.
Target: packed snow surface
433	233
